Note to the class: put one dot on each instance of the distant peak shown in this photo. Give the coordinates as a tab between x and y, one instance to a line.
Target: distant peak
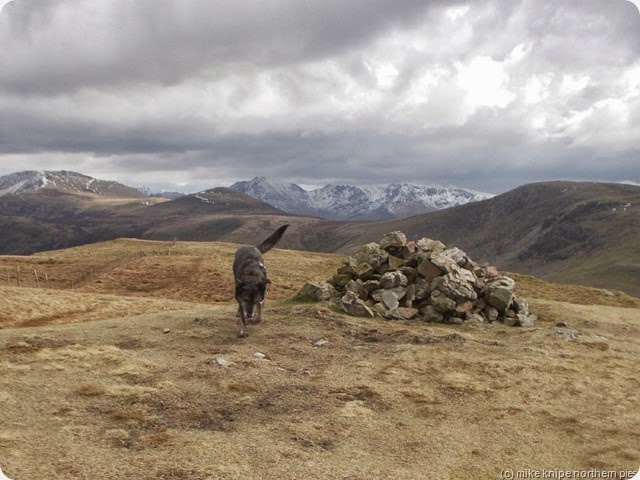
63	181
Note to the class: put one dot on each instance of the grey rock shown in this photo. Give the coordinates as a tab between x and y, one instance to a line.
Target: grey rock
521	306
390	299
364	271
371	285
411	295
395	240
339	280
316	292
393	279
520	320
456	255
499	293
455	286
395	262
443	262
441	302
429	270
380	308
349	267
491	313
399	292
429	245
352	305
402	313
372	254
357	287
422	288
474	318
430	314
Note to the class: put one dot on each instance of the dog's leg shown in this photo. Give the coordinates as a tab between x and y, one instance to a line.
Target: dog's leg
258	314
243	323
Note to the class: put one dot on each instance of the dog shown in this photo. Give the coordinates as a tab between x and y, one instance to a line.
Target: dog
251	279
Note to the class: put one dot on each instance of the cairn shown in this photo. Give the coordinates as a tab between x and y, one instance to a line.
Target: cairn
425	280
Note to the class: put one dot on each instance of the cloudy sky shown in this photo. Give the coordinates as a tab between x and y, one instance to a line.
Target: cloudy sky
189	94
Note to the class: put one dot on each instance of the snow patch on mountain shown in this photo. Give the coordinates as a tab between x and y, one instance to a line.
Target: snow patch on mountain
64	181
351	202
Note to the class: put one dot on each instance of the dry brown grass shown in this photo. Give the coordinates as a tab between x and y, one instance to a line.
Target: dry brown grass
121	398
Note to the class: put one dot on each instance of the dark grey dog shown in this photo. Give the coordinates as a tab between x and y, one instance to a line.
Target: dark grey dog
251	279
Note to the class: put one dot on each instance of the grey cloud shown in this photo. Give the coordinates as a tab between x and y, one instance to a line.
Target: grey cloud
287	88
57	45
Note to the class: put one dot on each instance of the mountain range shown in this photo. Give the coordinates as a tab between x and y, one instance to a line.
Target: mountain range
351	202
575	232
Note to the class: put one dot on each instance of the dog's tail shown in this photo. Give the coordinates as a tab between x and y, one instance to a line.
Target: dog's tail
270	242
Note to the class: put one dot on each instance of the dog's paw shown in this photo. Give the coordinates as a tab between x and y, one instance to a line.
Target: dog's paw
243	334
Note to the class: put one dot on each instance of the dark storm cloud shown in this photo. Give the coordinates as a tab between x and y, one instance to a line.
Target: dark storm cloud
58	45
487	94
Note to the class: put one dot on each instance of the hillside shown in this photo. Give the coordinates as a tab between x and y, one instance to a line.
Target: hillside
124	380
570	232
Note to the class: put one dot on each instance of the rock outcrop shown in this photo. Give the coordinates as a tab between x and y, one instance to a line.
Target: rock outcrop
425	280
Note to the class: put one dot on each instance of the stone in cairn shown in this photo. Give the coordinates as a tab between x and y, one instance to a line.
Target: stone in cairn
425	279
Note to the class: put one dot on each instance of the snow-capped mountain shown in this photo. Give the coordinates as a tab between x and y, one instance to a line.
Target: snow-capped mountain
286	196
350	202
69	182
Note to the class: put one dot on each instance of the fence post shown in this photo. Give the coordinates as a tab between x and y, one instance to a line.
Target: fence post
18	274
35	274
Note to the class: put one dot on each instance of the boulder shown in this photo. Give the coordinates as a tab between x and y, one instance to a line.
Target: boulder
499	293
393	240
372	254
402	313
357	287
429	270
456	255
316	292
430	314
399	293
393	279
431	246
339	280
455	287
443	262
352	305
441	302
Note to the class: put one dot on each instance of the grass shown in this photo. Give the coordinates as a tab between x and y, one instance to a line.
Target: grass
92	387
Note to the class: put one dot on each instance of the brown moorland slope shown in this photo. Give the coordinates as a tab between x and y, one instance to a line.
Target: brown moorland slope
151	381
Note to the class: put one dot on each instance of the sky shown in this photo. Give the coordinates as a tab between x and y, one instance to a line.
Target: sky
190	94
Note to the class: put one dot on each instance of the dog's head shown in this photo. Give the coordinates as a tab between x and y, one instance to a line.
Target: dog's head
250	294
